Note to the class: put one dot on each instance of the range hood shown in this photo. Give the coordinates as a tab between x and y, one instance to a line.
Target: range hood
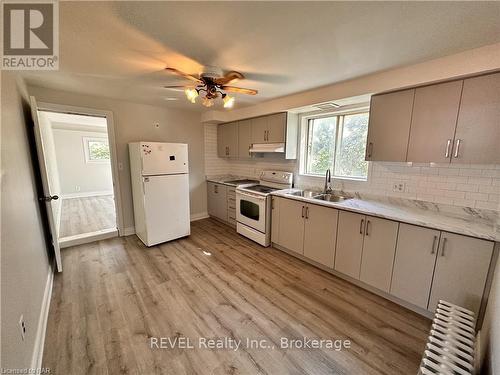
267	148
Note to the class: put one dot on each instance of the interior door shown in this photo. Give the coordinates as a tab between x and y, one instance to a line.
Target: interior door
49	196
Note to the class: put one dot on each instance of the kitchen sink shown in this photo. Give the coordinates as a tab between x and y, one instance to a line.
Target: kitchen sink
331	197
305	193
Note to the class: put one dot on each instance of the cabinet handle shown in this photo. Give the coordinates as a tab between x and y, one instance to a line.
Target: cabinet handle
303	211
447	152
307	212
442	248
272	203
367	226
369	150
215	189
433	250
361	226
457	148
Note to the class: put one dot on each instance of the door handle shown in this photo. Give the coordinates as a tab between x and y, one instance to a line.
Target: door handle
367	226
447	152
49	198
433	250
369	150
442	248
361	226
457	148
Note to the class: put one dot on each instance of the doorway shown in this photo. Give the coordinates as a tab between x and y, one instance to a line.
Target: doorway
77	156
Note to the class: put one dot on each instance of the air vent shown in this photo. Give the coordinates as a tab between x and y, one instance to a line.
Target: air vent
326	106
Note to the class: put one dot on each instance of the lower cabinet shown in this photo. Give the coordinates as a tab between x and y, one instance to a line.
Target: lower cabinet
217	200
414	264
320	234
350	235
291	225
461	270
306	229
378	252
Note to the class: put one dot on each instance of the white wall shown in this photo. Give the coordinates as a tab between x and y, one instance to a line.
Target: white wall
51	165
24	262
135	122
77	176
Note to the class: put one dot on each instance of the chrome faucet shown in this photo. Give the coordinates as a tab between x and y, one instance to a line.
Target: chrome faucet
328	183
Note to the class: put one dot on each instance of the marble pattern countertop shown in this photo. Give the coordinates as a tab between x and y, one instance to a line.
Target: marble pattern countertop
483	224
223	179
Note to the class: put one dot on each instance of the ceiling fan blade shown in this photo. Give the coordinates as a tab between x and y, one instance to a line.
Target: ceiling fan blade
176	87
185	75
239	90
229	77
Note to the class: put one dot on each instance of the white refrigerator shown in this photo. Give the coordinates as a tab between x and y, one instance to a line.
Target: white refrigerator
160	189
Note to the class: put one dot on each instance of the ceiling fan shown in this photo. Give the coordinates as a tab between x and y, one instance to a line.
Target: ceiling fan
213	83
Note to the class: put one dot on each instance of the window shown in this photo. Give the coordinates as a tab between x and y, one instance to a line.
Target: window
96	150
337	142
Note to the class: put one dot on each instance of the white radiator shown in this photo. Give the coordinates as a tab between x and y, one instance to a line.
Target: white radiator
450	346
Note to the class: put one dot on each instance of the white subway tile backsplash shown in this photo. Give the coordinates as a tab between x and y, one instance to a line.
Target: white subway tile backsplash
466	185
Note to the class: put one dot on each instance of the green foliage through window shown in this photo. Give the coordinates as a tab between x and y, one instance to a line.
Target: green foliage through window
338	143
98	150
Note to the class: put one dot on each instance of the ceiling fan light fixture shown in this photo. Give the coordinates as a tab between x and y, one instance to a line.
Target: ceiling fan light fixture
228	101
207	102
191	95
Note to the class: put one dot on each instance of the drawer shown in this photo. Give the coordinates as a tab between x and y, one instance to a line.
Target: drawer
231	191
231	221
231	214
231	202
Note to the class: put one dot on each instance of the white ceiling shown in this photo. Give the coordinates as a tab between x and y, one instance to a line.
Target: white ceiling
119	49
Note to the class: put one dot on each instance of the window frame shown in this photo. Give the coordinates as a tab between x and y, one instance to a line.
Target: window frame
304	149
86	149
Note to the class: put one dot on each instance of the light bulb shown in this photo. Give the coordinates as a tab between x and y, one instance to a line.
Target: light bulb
191	95
228	101
207	102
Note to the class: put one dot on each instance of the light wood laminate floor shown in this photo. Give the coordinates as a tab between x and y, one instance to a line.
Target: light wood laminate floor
115	295
87	214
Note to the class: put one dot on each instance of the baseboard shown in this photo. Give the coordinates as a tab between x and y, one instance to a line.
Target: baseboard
199	216
36	359
127	231
86	194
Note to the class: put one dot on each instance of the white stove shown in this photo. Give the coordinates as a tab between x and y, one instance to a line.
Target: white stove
253	205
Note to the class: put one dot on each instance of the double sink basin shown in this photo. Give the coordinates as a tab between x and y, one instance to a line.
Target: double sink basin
319	196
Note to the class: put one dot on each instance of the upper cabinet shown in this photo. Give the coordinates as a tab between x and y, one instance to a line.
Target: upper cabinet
389	126
227	140
235	139
456	121
477	136
434	119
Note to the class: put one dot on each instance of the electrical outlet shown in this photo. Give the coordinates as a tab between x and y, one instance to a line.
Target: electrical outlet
22	327
399	187
77	188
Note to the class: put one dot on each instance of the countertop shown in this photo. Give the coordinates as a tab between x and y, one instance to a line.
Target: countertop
483	224
223	179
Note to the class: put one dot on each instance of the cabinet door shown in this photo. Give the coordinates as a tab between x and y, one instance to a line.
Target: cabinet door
276	125
221	201
478	126
379	247
389	126
461	270
244	139
212	199
433	123
259	129
414	264
350	235
231	139
221	142
291	225
320	234
275	219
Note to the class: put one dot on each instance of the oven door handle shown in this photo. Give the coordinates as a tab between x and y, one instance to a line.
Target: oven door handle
250	195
